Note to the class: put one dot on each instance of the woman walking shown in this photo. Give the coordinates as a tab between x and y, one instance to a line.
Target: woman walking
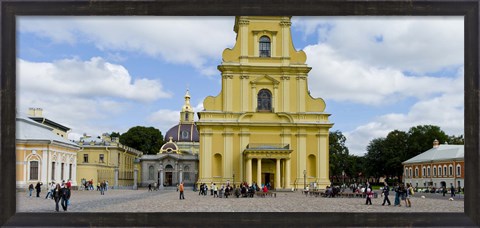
57	194
403	194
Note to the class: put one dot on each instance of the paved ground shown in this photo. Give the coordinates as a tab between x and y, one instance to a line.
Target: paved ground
167	201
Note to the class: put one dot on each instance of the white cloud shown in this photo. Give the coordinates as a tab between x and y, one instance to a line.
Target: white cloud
164	119
178	40
415	44
342	79
92	78
445	110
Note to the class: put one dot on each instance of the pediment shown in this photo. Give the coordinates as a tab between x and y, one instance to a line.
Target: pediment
265	80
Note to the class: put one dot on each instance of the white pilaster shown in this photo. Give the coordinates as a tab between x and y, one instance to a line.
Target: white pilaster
277	174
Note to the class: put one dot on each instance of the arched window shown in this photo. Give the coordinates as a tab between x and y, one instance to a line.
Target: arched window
410	172
439	171
416	172
186	116
423	172
406	172
264	46
444	170
434	171
450	173
458	170
264	101
151	173
428	171
34	170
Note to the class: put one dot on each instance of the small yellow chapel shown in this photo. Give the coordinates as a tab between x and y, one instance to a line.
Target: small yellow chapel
264	127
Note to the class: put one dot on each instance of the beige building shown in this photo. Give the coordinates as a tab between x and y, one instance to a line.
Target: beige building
264	126
177	159
42	155
105	159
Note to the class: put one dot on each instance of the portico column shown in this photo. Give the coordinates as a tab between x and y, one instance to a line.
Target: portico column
287	173
160	178
277	174
180	176
249	171
135	174
259	171
116	179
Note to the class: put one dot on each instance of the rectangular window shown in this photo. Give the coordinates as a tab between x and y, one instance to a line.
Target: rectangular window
34	170
53	170
85	158
62	170
101	158
70	171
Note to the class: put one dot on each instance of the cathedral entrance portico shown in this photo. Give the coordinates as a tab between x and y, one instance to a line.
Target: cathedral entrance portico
269	162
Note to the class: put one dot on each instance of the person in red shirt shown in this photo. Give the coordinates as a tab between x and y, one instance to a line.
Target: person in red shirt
265	189
180	188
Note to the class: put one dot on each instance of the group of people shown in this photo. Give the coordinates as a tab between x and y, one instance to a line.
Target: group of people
60	193
402	193
224	191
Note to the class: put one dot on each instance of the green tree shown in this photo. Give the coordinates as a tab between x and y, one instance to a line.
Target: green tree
456	140
115	134
421	137
146	139
376	158
339	157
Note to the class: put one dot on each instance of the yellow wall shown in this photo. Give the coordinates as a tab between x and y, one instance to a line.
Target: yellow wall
100	171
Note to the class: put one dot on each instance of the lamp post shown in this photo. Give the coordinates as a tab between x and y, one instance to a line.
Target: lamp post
304	179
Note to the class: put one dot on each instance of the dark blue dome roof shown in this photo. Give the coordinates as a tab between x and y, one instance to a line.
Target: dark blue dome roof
186	132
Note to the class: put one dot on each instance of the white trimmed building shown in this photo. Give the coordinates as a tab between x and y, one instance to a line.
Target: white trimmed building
440	166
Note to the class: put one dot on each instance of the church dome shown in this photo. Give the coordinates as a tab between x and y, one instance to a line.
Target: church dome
184	132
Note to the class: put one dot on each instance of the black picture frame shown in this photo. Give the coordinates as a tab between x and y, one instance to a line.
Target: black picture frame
469	9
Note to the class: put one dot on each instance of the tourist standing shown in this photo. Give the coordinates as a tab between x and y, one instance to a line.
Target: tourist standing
57	194
106	185
180	188
409	193
38	187
65	197
215	190
155	186
30	189
397	196
403	193
386	192
211	188
452	190
102	188
150	187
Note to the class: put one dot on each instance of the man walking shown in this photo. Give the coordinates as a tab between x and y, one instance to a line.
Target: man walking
180	188
386	191
452	190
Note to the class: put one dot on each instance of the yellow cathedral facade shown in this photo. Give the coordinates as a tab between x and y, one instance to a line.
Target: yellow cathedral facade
264	127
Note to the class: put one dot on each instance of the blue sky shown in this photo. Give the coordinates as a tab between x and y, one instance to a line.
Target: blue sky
104	74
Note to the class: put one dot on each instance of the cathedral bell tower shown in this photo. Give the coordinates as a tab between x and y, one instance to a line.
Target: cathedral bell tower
264	127
187	114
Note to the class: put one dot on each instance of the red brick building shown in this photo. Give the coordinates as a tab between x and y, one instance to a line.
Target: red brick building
440	166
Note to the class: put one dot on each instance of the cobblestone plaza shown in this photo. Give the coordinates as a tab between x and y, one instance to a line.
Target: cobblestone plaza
168	201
